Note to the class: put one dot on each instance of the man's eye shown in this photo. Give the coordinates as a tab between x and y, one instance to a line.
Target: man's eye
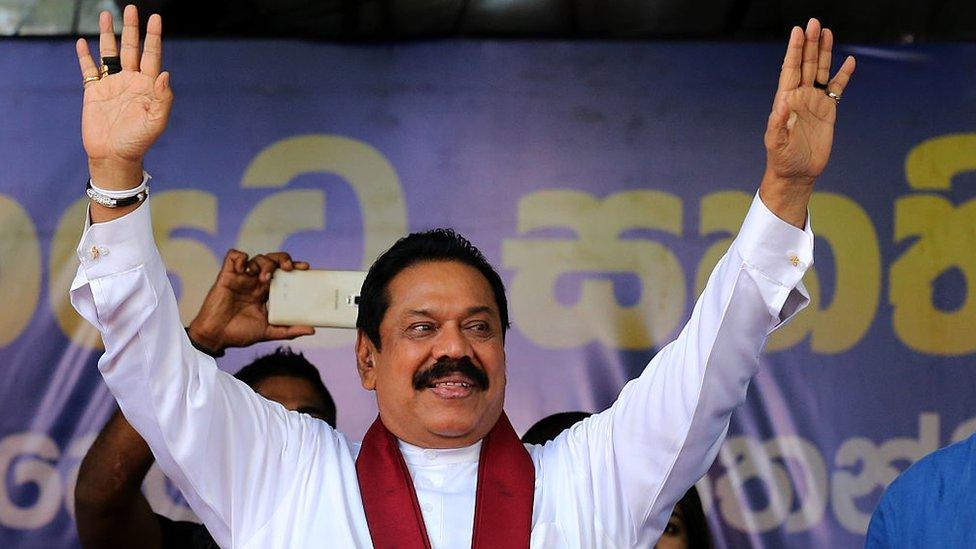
672	529
481	327
420	328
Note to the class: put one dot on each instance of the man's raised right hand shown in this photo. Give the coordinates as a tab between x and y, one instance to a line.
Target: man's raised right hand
124	113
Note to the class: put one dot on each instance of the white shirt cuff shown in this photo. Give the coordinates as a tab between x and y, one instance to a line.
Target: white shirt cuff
118	245
778	252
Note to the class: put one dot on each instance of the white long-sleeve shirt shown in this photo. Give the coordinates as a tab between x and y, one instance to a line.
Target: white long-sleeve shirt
260	476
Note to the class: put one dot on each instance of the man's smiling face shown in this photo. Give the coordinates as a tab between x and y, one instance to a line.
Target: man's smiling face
440	376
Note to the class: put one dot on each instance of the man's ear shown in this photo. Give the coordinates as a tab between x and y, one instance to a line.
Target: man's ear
365	351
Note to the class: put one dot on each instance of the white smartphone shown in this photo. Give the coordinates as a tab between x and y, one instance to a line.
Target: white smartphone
326	299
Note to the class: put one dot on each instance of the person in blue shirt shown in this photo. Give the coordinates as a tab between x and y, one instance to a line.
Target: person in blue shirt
932	504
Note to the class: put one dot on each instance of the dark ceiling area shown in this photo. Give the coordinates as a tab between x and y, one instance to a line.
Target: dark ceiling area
901	21
878	21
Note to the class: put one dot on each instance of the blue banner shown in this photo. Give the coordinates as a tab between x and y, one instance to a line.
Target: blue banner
540	153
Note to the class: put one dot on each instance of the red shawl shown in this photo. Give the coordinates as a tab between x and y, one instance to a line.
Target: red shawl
503	503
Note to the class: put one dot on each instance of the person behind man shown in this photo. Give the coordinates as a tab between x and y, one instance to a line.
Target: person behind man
110	509
441	466
931	504
687	527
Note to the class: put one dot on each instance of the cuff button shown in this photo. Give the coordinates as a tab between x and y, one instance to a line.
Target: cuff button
795	260
97	251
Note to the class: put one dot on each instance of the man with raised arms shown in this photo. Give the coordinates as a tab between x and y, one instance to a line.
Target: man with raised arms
441	467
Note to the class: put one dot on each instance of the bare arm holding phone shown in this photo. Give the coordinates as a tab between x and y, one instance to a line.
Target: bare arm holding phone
235	311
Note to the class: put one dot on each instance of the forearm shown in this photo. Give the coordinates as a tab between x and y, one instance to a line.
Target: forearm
112	471
134	526
110	510
667	425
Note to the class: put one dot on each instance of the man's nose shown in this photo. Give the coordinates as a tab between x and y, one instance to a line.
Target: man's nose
451	342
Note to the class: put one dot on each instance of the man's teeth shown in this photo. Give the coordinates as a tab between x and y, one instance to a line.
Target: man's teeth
452	384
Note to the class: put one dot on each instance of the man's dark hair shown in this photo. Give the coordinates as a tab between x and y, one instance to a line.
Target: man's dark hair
427	246
287	363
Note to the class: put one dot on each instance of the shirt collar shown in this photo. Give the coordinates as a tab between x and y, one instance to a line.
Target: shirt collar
417	456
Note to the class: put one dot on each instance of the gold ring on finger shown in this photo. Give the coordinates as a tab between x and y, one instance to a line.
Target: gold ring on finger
834	96
89	79
103	71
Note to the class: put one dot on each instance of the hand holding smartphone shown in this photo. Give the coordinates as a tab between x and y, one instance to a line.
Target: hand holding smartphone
320	298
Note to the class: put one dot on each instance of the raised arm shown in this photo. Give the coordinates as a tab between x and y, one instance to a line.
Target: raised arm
111	510
638	458
211	434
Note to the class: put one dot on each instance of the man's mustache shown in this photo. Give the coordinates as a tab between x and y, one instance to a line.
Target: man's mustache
446	366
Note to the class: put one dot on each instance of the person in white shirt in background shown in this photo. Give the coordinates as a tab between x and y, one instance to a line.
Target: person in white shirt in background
438	468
